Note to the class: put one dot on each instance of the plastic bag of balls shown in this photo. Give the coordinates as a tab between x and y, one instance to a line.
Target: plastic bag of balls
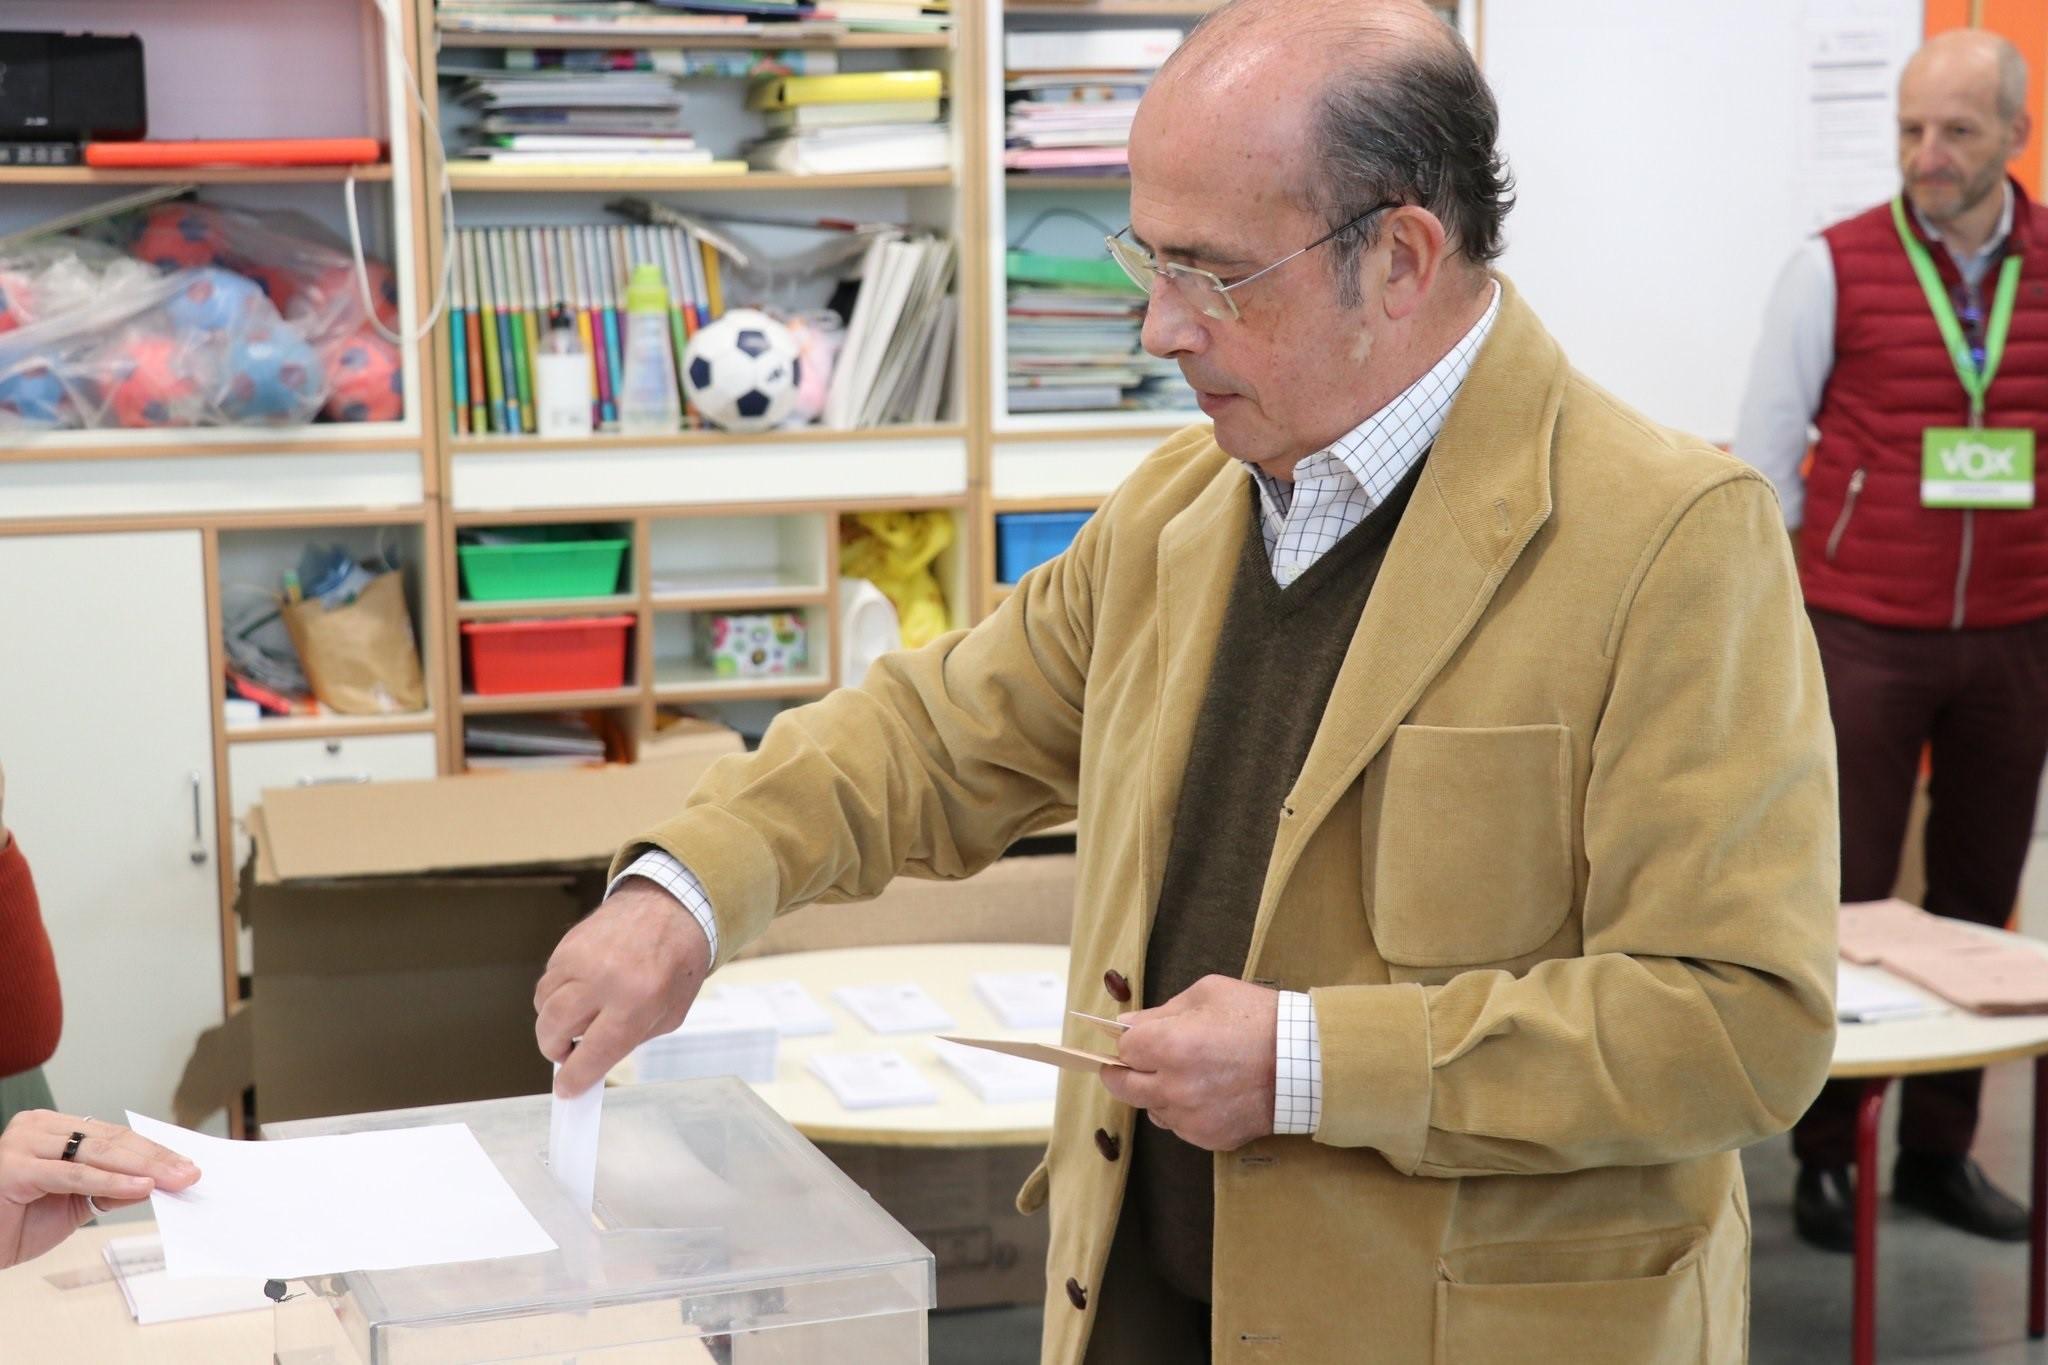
192	315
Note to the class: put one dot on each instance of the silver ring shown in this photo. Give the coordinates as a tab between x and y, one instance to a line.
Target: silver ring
94	1205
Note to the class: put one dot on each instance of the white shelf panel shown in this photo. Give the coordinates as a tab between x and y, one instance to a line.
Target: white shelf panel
1058	469
709	475
339	481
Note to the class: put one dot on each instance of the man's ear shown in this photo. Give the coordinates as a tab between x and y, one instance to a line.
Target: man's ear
1416	247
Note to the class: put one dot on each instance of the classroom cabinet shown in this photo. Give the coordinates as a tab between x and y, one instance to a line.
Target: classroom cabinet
106	733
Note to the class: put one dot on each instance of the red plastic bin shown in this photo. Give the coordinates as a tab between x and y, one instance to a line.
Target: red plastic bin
579	654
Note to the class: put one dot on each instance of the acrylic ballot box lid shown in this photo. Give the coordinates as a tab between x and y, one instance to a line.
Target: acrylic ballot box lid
714	1219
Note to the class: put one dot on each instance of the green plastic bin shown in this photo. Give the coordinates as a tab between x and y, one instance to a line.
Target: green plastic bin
550	568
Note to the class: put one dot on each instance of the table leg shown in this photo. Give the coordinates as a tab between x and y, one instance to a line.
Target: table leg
2037	1249
1863	1329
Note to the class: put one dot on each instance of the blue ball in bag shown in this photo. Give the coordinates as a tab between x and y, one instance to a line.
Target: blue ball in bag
272	376
34	396
212	300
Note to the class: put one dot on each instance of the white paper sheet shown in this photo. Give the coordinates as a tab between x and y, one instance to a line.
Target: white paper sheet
872	1080
572	1143
894	1007
1866	995
1023	999
997	1078
153	1297
796	1012
320	1206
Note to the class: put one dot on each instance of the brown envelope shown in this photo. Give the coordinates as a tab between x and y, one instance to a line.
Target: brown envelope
1066	1058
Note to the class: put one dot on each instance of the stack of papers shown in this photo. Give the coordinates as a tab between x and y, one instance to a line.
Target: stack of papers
894	1007
1864	995
1073	339
1072	96
569	117
1985	973
153	1296
893	365
796	1013
1024	999
872	1080
725	1034
996	1078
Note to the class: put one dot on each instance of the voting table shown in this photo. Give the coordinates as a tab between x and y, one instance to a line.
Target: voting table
1948	1039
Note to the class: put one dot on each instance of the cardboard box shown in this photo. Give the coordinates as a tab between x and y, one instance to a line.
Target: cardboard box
399	929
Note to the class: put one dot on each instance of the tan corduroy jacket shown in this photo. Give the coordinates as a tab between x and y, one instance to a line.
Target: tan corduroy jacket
1559	872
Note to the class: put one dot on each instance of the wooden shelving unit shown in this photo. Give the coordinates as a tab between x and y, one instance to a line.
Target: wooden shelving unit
471	179
33	176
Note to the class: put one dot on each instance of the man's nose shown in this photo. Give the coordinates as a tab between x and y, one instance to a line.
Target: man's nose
1172	326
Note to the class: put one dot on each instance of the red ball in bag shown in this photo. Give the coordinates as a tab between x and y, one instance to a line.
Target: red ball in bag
175	237
150	386
365	381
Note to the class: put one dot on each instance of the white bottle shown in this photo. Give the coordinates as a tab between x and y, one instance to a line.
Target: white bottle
648	402
562	374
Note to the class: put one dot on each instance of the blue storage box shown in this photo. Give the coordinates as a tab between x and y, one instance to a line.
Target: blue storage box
1025	540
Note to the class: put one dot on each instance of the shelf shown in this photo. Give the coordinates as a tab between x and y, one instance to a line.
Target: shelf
773	42
473	704
792	593
330	727
702	685
468	180
612	440
108	443
192	175
1112	9
610	605
1067	182
1073	502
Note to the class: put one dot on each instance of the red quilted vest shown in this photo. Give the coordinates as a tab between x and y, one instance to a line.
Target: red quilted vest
1868	549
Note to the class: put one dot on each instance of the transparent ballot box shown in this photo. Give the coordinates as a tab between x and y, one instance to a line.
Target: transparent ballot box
718	1235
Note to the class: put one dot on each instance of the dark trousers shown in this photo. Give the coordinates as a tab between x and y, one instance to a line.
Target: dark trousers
1979	698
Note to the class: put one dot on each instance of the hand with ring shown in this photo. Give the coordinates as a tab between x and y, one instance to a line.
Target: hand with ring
57	1171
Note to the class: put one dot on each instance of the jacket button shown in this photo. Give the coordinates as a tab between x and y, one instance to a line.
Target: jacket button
1076	1295
1113	982
1109	1144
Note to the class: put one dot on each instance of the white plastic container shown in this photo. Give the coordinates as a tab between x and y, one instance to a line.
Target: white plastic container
562	375
648	402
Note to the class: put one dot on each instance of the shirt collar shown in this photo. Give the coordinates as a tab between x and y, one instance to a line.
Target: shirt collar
1379	452
1991	243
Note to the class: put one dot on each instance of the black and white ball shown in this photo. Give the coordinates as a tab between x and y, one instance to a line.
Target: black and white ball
741	372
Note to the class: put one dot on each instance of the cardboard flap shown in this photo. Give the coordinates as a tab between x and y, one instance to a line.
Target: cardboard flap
499	821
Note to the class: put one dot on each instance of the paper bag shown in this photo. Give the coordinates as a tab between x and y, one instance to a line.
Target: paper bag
360	657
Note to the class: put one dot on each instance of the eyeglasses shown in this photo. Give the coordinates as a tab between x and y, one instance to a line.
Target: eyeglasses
1201	290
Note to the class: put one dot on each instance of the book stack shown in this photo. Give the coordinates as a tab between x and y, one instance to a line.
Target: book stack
506	284
1073	326
1070	97
542	741
897	355
889	16
547	118
851	123
766	20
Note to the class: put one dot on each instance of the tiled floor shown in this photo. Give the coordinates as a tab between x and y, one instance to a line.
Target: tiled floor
1946	1299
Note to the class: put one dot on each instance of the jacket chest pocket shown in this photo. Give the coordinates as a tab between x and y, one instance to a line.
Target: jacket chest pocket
1468	843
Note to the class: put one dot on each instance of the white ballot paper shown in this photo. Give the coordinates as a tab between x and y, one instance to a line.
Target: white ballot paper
872	1080
796	1012
996	1077
323	1205
572	1143
894	1007
1023	999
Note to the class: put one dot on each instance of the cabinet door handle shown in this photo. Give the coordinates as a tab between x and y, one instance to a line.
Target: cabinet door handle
336	779
198	822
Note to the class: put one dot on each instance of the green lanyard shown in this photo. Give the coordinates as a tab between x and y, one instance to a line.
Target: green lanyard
1976	382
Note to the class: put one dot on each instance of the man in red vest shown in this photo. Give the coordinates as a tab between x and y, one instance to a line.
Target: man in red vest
1914	337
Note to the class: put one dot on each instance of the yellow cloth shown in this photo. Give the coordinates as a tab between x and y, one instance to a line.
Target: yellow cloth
895	552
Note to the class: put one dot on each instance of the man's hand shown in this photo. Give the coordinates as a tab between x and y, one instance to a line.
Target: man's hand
630	970
1202	1063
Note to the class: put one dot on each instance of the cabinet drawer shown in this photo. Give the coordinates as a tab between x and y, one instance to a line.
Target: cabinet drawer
255	768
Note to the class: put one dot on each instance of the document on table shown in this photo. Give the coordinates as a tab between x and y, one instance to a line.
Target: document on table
153	1297
1866	995
894	1007
323	1205
1023	999
797	1014
572	1143
996	1077
872	1080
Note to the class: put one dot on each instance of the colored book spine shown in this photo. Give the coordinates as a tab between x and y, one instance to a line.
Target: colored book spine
516	316
479	399
493	332
458	355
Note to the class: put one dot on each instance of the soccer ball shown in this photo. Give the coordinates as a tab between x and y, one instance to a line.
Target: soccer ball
213	300
271	376
365	380
741	373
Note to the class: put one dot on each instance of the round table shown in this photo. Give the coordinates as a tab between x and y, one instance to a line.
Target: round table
1950	1040
961	1118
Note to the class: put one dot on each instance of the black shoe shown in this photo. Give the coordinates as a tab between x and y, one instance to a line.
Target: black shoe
1824	1208
1953	1190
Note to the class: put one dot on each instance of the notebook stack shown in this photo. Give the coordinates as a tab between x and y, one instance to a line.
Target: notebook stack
855	122
548	117
1073	339
724	1035
1071	97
